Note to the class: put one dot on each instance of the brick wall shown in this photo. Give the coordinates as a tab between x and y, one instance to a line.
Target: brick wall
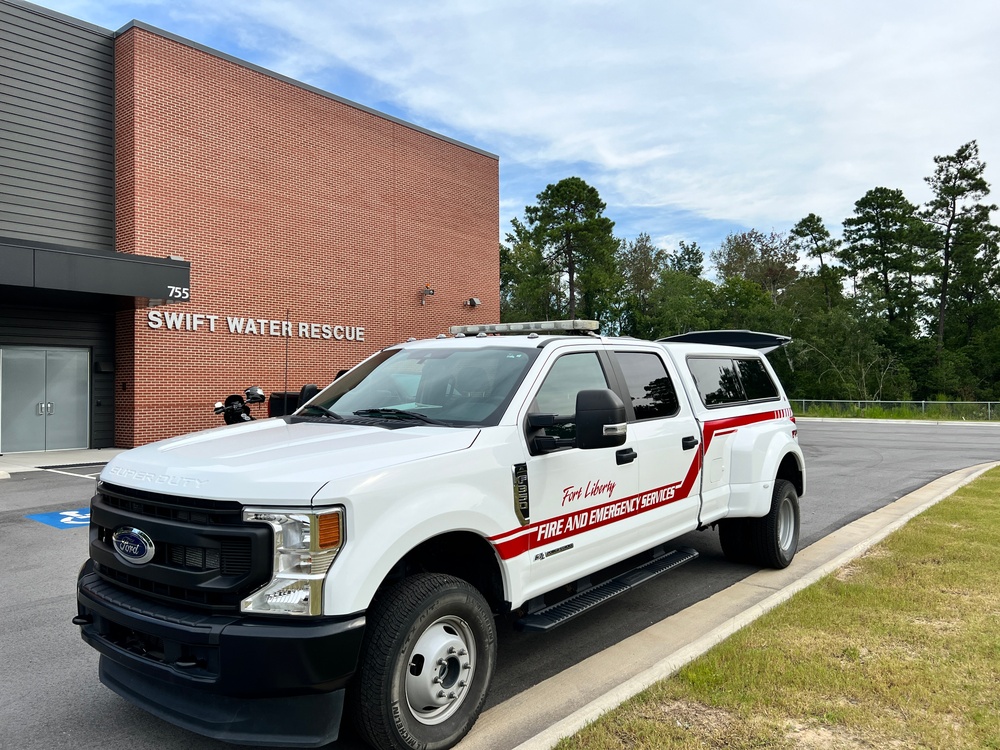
289	206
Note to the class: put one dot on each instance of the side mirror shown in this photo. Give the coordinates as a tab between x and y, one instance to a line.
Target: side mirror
601	421
254	394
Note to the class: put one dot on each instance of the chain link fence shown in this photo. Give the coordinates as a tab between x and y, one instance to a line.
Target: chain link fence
959	411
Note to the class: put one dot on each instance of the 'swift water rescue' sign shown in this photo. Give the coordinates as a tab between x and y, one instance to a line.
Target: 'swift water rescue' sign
246	326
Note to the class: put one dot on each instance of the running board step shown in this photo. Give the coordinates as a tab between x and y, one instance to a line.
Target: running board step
566	610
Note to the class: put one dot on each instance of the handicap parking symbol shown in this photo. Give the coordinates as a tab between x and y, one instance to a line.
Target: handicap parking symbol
64	519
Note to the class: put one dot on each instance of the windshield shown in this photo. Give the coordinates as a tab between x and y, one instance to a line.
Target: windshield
457	387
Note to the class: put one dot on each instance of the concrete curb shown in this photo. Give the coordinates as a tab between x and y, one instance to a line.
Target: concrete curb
721	615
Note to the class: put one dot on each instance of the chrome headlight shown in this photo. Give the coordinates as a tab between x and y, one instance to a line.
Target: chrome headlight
305	545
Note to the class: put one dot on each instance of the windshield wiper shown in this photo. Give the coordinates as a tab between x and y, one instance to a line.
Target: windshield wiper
323	410
399	414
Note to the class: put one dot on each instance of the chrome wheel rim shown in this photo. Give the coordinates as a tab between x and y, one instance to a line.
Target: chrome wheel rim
439	670
786	524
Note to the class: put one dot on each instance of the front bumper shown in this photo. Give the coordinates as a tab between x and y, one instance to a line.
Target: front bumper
258	680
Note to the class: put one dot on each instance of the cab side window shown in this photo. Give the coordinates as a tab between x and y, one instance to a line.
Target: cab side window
570	374
649	385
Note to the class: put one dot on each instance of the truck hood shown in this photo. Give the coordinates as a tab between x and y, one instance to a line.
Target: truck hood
274	462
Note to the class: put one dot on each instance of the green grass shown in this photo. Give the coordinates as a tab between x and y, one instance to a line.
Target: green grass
900	649
932	411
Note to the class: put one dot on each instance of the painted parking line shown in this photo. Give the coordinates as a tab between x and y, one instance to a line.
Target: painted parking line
86	471
64	519
71	474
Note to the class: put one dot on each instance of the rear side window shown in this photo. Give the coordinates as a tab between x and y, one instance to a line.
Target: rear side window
717	380
756	381
649	385
723	381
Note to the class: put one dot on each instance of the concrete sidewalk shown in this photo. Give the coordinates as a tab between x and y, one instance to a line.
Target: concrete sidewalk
12	463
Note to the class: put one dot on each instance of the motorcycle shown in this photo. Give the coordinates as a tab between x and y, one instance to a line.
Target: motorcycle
236	408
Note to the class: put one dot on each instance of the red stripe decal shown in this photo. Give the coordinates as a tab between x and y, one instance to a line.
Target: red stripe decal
725	426
544	533
516	542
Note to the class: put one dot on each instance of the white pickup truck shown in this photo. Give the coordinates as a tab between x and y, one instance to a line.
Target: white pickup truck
257	582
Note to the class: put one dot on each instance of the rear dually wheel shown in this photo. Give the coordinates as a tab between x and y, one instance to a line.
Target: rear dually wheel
774	538
769	542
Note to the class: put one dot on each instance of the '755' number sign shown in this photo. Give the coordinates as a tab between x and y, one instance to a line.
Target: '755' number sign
179	292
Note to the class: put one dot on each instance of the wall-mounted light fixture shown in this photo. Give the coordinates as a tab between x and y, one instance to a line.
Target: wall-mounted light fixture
473	302
425	293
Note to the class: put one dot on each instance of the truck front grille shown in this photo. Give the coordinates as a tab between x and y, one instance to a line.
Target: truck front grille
205	555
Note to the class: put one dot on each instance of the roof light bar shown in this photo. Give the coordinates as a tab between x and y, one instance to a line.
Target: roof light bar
544	326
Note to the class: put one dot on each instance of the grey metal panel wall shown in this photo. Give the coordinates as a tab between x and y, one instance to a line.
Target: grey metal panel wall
56	129
53	319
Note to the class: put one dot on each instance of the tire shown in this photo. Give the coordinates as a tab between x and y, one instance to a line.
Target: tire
774	538
734	536
426	662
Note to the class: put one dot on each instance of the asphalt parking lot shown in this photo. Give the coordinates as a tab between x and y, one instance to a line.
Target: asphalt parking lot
53	698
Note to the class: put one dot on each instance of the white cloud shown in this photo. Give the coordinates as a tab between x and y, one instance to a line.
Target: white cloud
743	114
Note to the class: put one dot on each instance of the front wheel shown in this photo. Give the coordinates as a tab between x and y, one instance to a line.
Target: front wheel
426	663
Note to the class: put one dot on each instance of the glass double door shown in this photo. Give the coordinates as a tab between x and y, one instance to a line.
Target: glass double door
44	399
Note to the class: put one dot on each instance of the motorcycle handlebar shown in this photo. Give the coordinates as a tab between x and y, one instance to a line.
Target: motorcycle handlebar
235	408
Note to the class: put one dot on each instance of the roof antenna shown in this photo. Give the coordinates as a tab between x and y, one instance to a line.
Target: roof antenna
288	331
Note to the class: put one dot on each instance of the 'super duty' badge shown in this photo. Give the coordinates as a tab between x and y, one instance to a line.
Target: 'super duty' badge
133	545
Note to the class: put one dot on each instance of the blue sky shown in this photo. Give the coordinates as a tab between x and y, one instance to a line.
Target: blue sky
692	120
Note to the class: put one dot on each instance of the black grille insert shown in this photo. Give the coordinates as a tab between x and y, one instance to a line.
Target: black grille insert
171	507
205	557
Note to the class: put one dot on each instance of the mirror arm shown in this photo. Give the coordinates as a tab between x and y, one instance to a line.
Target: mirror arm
547	443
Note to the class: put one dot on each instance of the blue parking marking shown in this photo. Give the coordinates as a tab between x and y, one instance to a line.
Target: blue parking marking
64	519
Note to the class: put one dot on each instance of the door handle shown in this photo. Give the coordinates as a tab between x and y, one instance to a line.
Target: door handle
48	407
625	456
689	442
40	409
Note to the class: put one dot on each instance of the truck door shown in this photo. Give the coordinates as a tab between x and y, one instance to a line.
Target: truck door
578	497
665	436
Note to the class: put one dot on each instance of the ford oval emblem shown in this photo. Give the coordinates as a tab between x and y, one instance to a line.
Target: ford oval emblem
133	545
